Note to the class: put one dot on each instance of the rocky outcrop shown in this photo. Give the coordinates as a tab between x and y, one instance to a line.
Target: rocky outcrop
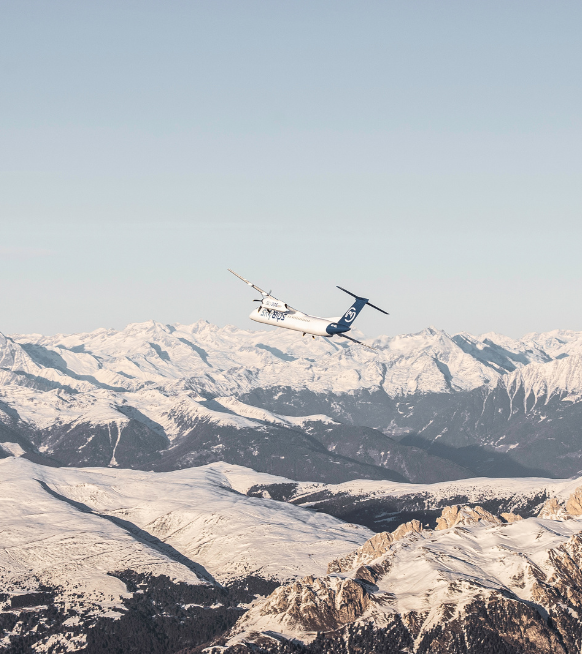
373	548
574	503
490	625
553	509
435	592
465	515
313	604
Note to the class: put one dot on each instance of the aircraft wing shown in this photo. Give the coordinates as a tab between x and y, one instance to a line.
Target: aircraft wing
283	305
246	281
358	342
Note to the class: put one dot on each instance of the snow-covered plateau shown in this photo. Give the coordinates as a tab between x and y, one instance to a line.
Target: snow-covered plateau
67	536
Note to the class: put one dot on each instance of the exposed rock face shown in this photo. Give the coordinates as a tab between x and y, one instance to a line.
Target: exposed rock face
373	548
512	587
490	625
314	604
574	503
561	592
465	515
553	510
364	638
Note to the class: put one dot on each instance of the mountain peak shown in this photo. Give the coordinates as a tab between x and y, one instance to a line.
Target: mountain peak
147	325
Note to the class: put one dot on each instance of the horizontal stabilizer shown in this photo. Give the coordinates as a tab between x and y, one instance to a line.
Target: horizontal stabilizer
363	298
377	308
358	342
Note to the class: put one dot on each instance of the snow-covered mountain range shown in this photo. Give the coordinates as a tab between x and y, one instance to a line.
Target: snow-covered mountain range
478	583
106	560
425	407
171	488
231	361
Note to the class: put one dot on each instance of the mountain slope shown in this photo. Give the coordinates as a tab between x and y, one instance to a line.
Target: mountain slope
477	586
86	552
534	415
168	396
149	429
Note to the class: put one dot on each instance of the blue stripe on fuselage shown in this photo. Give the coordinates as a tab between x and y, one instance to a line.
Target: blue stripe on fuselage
334	328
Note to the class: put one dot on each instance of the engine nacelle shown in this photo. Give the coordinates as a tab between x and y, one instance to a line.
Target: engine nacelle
273	304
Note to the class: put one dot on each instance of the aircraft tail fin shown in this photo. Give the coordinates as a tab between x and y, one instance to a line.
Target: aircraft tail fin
352	313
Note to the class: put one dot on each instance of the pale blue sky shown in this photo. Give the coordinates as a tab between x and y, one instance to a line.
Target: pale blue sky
426	154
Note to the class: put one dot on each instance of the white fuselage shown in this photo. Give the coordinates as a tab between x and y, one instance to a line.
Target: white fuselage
300	322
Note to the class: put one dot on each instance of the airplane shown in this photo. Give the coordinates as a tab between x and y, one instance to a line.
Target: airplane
275	312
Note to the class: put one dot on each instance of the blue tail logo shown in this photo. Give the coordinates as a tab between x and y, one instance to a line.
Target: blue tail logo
352	313
344	323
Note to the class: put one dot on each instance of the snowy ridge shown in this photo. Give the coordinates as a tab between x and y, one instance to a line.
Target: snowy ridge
383	505
560	377
430	578
225	361
557	343
56	528
169	396
44	409
475	490
263	415
175	413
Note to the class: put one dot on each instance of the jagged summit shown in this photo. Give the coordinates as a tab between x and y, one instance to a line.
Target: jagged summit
477	583
430	361
558	377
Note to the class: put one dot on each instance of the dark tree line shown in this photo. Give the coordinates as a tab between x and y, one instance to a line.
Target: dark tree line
161	617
